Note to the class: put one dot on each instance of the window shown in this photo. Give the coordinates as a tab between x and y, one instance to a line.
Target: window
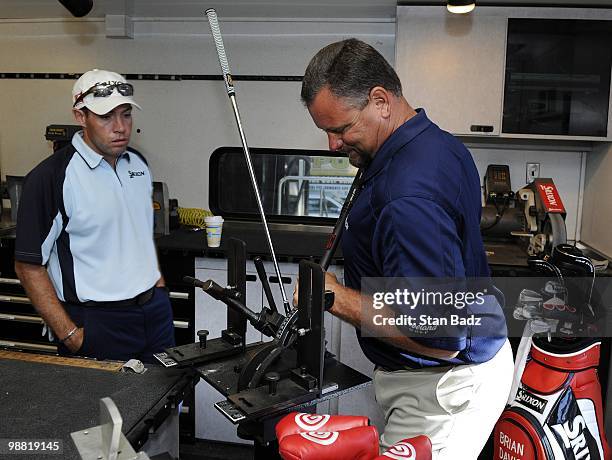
295	185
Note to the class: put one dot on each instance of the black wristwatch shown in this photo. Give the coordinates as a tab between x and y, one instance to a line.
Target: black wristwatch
328	299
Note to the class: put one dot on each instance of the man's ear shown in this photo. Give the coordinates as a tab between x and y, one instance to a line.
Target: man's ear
79	117
380	97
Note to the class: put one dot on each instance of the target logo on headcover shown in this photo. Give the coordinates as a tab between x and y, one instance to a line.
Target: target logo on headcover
324	439
311	422
401	451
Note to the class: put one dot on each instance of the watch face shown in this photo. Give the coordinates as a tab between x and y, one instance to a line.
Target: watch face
328	300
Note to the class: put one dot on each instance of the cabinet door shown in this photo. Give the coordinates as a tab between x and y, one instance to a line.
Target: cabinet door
557	77
452	65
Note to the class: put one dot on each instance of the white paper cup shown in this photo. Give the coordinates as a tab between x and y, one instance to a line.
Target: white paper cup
214	226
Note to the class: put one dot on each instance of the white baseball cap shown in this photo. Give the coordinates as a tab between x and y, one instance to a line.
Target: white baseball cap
100	104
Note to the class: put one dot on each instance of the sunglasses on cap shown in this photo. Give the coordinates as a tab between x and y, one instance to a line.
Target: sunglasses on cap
105	90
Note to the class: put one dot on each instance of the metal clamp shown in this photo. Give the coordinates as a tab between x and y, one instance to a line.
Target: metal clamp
106	441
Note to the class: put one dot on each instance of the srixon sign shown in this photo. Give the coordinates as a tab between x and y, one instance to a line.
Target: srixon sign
549	195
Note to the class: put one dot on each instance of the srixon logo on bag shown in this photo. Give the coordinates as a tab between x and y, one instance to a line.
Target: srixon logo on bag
531	401
569	426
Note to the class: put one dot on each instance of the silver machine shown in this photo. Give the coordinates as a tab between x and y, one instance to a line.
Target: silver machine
530	221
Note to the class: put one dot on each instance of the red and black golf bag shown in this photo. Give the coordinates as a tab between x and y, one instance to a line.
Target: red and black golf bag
555	409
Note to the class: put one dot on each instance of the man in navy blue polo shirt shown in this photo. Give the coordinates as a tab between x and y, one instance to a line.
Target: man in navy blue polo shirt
84	250
417	215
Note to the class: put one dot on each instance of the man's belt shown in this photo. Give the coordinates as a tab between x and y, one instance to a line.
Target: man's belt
140	299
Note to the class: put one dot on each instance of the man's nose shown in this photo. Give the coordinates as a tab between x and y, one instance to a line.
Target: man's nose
119	125
335	141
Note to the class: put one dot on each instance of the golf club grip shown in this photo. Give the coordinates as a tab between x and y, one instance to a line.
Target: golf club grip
334	237
216	33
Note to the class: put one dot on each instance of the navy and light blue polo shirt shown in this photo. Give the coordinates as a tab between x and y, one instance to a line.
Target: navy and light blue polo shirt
418	215
90	224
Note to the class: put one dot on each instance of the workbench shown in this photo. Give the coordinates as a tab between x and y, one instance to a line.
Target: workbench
47	397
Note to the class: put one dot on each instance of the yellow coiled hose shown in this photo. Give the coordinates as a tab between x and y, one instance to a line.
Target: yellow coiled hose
193	217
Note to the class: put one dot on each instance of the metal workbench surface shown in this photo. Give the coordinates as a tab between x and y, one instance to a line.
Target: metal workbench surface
49	401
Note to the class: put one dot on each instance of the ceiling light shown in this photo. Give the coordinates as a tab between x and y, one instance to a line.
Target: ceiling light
460	6
78	8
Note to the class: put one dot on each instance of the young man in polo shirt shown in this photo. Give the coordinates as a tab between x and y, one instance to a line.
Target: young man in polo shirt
84	250
417	216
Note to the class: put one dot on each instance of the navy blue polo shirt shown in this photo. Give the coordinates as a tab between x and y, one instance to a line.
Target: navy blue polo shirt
418	215
89	224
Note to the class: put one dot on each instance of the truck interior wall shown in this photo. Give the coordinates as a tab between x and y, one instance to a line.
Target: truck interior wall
182	122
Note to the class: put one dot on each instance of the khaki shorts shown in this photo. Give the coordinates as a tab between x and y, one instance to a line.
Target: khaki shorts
457	406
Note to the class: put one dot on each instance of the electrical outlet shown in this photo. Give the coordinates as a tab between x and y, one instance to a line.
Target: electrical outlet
532	172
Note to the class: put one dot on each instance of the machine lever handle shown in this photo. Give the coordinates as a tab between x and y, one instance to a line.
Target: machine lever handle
231	298
261	272
193	281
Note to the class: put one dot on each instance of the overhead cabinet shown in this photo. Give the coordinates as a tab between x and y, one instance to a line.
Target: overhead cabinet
557	77
452	66
509	72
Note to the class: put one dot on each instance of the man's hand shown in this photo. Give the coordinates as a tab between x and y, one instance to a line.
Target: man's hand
331	281
295	292
37	284
347	307
161	282
331	284
75	341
